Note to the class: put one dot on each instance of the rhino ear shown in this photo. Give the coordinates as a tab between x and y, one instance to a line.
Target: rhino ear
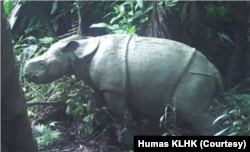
71	46
86	47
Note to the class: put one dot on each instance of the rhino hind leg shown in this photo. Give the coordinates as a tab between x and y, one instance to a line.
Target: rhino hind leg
192	101
198	125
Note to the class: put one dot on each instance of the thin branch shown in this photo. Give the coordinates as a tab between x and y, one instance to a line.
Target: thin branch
32	103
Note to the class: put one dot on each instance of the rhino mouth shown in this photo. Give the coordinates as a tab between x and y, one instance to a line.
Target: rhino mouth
31	78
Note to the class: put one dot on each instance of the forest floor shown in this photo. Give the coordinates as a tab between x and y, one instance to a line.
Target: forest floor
73	137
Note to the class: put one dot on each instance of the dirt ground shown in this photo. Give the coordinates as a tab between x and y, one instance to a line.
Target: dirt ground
73	137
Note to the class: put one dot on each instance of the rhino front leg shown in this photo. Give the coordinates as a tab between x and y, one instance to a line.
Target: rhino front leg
96	105
118	105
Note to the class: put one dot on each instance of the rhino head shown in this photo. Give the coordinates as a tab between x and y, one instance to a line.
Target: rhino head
58	60
50	66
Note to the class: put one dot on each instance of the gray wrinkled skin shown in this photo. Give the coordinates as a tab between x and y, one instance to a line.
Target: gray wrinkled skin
136	75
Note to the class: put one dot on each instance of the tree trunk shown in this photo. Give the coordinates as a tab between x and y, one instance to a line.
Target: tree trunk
156	26
16	134
197	26
238	64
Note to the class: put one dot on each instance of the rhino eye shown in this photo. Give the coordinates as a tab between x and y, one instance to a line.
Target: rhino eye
42	64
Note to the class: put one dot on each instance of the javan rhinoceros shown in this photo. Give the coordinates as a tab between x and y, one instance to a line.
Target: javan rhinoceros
136	76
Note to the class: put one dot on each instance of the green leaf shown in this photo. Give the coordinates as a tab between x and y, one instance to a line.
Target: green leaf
139	4
113	27
30	38
28	52
220	117
115	18
121	9
47	40
166	3
54	7
130	20
162	121
44	135
237	123
19	41
159	4
30	113
127	3
8	4
149	8
23	1
122	23
116	8
132	30
59	87
222	131
55	26
138	14
144	20
120	32
89	127
53	123
131	13
233	111
225	37
233	134
40	51
170	3
99	25
221	11
108	14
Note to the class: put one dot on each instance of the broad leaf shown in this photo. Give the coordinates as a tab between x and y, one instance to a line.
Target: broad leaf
220	117
54	7
115	18
28	52
8	4
139	4
222	131
233	134
99	25
113	27
237	123
132	30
